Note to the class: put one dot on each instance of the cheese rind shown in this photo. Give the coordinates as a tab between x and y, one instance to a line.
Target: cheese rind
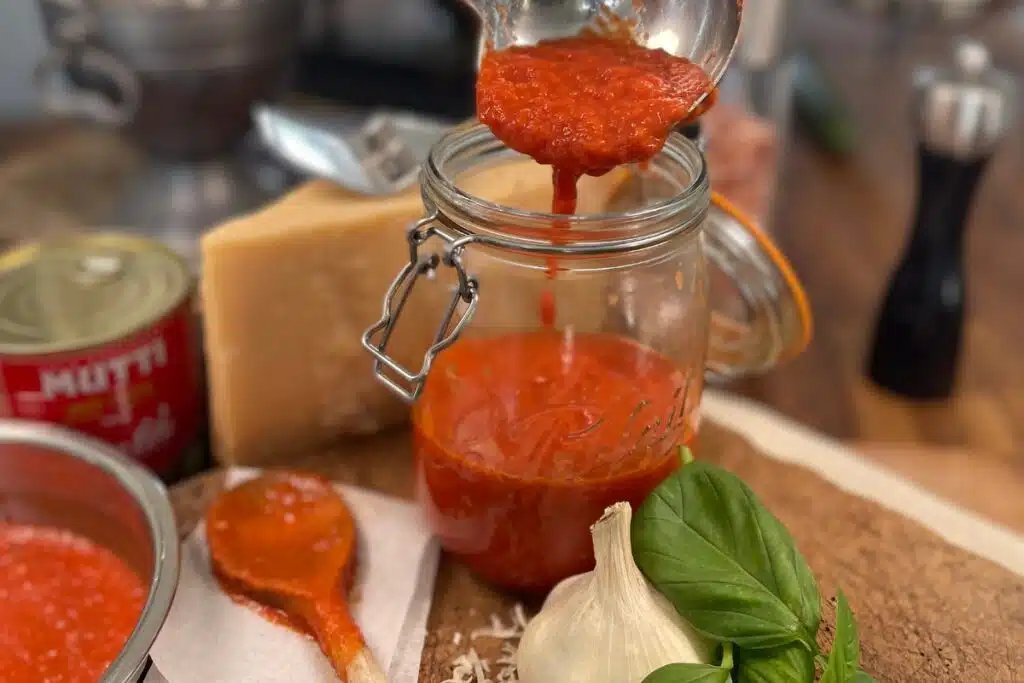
288	291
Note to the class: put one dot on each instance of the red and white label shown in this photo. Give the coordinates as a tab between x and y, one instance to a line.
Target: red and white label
140	394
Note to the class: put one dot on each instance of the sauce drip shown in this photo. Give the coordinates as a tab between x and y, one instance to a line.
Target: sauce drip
67	606
584	105
523	439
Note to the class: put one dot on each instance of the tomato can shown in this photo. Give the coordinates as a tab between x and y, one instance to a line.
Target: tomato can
97	333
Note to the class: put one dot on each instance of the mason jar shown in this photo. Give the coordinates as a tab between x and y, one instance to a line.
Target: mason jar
570	351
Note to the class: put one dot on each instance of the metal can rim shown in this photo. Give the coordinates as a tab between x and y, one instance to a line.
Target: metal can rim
23	253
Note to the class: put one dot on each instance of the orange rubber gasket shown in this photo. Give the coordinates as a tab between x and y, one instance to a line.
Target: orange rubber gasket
796	289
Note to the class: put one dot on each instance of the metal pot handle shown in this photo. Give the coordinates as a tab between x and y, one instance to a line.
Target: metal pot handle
67	99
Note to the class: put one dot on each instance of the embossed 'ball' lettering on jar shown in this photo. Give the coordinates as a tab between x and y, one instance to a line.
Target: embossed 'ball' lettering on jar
525	428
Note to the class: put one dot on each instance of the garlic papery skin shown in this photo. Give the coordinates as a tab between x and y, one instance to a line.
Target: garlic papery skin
609	625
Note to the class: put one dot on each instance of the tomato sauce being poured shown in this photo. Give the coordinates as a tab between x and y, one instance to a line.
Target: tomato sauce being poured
67	606
584	105
523	439
587	103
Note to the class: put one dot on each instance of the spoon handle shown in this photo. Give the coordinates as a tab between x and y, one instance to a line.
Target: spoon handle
150	674
342	641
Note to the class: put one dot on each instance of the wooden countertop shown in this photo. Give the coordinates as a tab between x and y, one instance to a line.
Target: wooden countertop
927	611
842	225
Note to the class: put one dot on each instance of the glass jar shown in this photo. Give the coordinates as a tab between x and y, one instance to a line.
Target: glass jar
524	431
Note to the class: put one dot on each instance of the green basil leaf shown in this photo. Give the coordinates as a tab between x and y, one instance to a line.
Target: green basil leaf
696	673
844	659
688	673
862	677
725	562
788	664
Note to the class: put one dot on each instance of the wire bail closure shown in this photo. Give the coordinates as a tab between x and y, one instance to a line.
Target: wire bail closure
375	339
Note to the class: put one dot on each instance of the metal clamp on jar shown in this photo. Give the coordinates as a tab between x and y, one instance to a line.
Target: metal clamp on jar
525	432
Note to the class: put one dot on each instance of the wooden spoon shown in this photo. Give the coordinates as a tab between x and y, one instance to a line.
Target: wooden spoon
287	541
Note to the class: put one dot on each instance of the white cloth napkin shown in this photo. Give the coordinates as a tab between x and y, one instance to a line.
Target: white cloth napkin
210	639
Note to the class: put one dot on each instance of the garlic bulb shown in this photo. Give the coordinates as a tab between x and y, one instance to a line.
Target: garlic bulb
608	625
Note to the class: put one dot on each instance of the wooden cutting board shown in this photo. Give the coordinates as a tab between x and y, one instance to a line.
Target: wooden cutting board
927	609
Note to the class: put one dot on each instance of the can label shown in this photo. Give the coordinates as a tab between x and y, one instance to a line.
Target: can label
140	393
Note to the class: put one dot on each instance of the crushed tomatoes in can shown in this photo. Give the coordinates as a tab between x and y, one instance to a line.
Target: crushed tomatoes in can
97	333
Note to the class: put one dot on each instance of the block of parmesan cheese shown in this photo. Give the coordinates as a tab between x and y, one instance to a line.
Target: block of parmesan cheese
288	291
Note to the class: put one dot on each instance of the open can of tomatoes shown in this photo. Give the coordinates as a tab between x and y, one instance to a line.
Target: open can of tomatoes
97	333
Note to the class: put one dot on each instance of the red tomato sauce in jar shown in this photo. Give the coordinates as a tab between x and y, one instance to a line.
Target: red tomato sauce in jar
521	441
67	606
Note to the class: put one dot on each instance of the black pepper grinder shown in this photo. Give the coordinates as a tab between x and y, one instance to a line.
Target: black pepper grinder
962	113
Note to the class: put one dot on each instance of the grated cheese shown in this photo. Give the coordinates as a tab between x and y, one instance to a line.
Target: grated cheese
471	668
507	662
499	630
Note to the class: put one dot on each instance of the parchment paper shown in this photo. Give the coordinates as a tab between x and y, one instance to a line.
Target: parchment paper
208	638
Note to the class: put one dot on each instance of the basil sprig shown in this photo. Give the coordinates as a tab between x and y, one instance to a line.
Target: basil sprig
843	660
788	663
695	673
724	561
733	571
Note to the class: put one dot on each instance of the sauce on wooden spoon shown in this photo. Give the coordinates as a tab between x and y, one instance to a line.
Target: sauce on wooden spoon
288	541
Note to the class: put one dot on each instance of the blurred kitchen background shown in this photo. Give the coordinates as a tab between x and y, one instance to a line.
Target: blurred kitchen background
167	116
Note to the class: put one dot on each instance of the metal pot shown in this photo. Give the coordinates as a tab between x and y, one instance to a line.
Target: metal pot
179	35
179	76
53	476
195	115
